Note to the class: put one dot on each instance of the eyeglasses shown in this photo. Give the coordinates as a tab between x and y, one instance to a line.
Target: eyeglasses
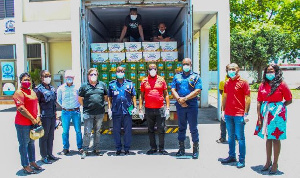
93	75
46	76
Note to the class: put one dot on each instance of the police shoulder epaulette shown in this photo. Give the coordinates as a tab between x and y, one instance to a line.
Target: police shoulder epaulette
112	81
127	80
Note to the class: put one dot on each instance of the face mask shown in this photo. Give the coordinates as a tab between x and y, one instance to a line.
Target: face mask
26	84
186	68
231	74
47	80
133	17
270	76
69	80
161	32
120	75
93	78
152	73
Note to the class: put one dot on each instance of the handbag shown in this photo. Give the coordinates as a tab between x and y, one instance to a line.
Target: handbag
37	132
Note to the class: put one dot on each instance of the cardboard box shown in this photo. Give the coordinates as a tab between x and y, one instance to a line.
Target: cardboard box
150	46
142	75
112	76
169	56
113	67
162	74
132	75
134	56
132	66
168	46
124	65
116	57
103	67
178	67
142	66
133	46
170	75
151	56
99	48
116	47
169	84
103	76
169	66
160	66
99	57
170	95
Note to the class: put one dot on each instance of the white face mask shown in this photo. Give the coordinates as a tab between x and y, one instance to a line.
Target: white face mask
47	80
152	72
93	78
162	32
186	68
133	17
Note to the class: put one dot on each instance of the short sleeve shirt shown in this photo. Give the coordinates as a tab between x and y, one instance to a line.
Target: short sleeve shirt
185	84
121	96
29	100
221	85
164	35
47	99
282	92
236	90
93	98
133	26
154	88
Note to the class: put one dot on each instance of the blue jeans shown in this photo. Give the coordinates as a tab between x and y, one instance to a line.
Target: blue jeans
66	117
131	39
185	116
26	145
236	128
92	122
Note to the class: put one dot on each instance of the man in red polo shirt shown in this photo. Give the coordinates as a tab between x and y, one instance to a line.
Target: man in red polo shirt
153	92
236	104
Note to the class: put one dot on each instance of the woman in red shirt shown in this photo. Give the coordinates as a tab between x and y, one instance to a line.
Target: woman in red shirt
27	115
273	97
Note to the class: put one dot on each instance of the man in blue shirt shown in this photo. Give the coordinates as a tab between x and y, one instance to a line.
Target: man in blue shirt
121	107
185	88
67	98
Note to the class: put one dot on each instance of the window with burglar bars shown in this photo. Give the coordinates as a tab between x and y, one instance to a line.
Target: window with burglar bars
7	8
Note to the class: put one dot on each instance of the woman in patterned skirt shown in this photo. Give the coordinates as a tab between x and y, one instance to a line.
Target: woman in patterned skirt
273	97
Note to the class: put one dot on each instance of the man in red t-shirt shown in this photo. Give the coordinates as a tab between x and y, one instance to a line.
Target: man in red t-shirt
236	104
153	92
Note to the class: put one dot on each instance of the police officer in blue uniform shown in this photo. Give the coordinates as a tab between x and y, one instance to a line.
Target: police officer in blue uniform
185	88
46	94
121	107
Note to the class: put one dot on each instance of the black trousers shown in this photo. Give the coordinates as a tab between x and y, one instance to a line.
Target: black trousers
46	142
156	116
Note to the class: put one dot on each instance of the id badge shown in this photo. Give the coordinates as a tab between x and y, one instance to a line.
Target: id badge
116	92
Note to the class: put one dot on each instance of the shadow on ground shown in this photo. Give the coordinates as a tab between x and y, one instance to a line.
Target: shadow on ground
258	169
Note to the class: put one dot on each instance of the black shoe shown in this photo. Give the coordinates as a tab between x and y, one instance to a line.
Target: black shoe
46	160
118	153
163	152
127	152
151	151
97	153
84	154
52	157
228	160
181	151
65	152
221	140
195	150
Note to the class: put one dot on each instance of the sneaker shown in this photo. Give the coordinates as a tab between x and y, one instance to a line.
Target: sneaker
151	151
118	153
97	153
221	140
127	152
84	154
240	164
163	152
228	160
80	150
65	152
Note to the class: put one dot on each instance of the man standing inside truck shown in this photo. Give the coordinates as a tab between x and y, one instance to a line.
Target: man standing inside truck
153	92
91	96
161	34
133	26
121	107
185	88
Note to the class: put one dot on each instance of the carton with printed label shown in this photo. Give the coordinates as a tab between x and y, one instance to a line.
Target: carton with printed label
150	46
133	46
169	56
116	57
168	46
151	56
116	47
134	56
99	57
99	48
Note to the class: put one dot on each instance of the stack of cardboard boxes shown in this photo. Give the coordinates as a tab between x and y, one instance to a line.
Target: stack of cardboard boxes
135	58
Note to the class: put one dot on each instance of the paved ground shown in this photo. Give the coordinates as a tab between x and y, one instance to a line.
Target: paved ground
140	165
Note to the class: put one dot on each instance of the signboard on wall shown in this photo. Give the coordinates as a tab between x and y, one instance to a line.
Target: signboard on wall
8	89
8	70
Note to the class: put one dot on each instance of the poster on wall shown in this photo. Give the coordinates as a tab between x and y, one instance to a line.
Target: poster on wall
8	89
8	70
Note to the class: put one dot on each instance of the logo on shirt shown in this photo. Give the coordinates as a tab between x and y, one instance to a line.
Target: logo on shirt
133	25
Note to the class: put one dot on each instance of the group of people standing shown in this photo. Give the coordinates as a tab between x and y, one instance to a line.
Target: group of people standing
38	106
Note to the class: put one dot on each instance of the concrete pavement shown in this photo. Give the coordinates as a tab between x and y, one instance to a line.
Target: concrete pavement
140	165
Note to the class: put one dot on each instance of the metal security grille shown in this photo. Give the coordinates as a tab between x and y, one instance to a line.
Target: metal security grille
7	52
6	8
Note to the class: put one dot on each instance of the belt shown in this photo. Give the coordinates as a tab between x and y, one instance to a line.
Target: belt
74	109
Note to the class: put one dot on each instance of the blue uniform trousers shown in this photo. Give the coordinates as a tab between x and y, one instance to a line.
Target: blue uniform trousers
187	115
124	120
46	142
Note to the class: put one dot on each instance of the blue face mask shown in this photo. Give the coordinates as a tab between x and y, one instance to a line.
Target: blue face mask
186	68
231	74
120	75
270	76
